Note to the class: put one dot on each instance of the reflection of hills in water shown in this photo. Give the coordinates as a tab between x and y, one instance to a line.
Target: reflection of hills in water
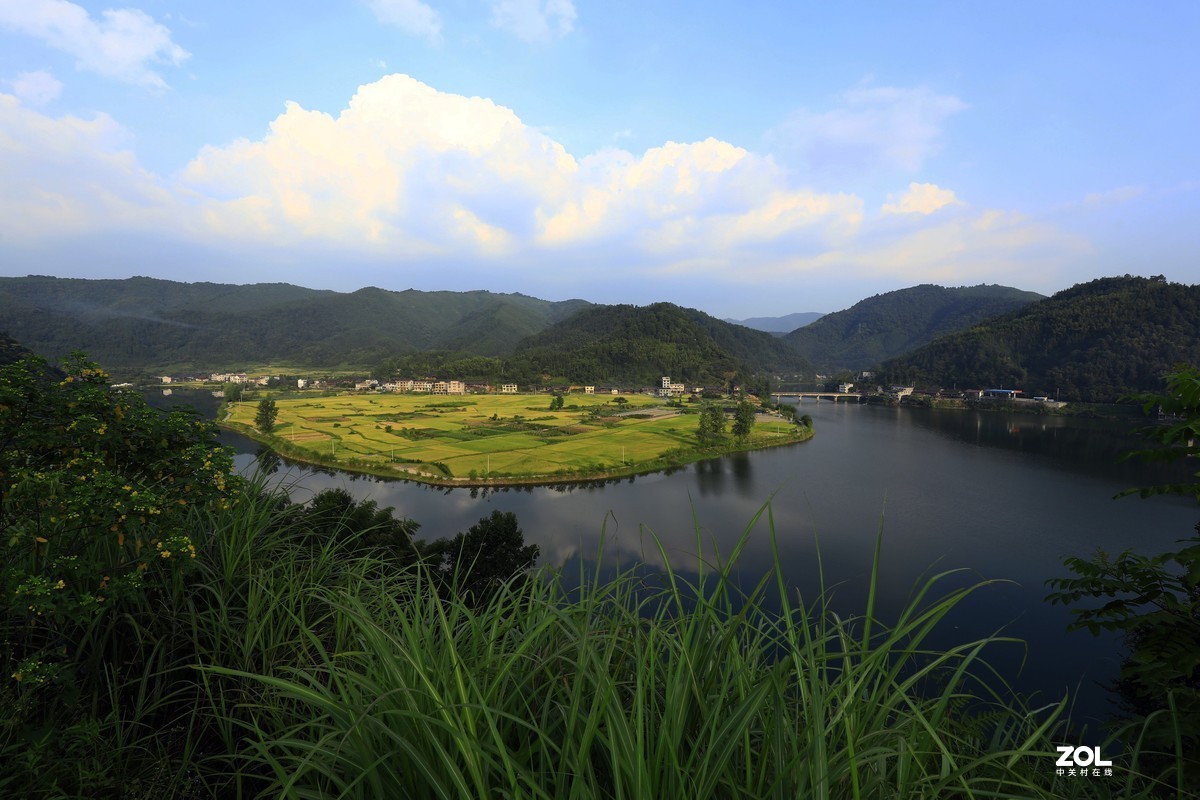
1096	447
1003	496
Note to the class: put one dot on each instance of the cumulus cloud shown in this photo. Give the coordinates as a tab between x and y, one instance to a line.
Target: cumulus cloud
534	20
36	88
69	175
405	168
411	16
122	44
413	183
921	198
873	126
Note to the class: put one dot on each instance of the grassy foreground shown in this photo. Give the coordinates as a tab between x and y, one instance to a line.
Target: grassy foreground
482	439
276	667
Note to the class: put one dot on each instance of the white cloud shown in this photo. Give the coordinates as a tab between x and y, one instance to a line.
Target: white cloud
36	88
410	16
921	198
876	126
534	20
408	169
69	176
423	185
121	44
1114	197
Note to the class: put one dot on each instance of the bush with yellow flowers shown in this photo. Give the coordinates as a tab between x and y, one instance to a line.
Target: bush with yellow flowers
95	493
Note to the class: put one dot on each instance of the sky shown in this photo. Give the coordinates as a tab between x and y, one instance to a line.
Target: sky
747	159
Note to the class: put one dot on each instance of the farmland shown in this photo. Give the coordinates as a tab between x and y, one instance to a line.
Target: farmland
493	439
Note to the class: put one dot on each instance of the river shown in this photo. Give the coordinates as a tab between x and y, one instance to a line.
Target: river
1003	497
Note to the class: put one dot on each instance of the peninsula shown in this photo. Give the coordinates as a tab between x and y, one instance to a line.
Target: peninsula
502	439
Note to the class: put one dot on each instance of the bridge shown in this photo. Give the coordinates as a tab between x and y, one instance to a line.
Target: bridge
818	396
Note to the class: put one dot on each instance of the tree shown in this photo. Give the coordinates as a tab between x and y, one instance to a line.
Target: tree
743	419
711	429
96	495
477	562
233	392
333	513
556	402
1153	600
264	420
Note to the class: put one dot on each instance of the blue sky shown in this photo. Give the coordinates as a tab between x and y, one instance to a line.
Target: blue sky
748	159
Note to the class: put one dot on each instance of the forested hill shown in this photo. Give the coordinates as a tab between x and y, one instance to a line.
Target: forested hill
150	323
893	323
1095	342
639	344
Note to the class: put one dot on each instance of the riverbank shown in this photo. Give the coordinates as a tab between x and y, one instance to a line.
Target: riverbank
497	440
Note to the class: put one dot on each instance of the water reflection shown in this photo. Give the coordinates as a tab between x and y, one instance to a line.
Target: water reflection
1001	497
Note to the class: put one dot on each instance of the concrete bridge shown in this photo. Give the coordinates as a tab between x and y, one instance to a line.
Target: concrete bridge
819	396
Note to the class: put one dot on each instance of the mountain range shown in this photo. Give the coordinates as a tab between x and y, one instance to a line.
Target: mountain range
1093	341
780	325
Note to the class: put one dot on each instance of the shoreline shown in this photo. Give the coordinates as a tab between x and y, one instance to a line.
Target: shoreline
400	473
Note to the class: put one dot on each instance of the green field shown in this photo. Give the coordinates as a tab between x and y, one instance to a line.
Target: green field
493	438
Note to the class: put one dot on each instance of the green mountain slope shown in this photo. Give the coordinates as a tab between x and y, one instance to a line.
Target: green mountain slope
149	323
889	324
639	344
1093	342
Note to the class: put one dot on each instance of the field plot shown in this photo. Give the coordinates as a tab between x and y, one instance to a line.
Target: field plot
490	437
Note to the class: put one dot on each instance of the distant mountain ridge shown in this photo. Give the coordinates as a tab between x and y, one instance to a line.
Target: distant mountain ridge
780	325
887	325
1094	342
147	322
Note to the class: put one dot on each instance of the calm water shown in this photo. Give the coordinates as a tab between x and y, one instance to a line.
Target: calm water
1002	497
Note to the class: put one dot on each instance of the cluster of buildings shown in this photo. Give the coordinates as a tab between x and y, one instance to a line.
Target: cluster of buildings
667	388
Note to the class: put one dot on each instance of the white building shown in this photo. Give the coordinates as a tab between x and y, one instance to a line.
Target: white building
508	388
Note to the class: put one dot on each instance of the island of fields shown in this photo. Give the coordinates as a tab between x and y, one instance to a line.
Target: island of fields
492	439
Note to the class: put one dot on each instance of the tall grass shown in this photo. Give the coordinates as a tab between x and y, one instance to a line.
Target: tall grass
284	668
622	689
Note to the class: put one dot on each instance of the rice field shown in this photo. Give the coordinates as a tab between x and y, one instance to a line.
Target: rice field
463	438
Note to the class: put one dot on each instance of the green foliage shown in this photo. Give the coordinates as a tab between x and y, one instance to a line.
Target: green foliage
556	402
1093	342
1179	435
711	428
334	515
893	323
660	685
1153	600
97	491
477	563
265	416
139	322
743	419
630	344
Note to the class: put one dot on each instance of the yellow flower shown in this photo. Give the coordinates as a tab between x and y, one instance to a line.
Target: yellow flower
61	584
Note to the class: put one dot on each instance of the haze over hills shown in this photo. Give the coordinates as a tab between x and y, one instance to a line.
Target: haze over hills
1095	342
780	325
892	323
